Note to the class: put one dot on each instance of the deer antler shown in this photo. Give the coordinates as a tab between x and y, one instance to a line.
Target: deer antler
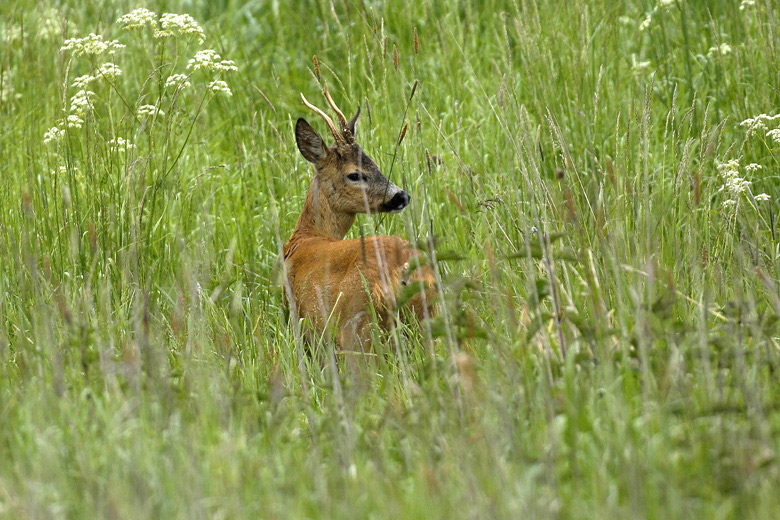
339	113
331	126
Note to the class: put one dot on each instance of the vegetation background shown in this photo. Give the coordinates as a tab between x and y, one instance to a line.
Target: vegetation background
603	179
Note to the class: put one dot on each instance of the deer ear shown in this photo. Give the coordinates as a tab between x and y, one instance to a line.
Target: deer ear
353	122
309	142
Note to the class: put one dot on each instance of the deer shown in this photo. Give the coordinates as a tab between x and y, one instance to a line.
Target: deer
342	285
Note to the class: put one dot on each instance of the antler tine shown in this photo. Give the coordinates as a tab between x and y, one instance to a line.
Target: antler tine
339	113
331	126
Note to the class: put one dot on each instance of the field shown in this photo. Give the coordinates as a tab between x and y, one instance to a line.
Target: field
602	183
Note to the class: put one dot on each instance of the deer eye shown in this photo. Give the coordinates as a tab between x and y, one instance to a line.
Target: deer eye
354	177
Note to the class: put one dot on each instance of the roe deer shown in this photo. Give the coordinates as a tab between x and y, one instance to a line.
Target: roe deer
334	283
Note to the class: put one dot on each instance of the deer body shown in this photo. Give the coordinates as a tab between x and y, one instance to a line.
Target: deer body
340	283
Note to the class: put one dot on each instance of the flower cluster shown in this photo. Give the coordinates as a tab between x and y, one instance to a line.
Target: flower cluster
50	26
83	82
149	110
120	145
138	19
747	4
719	50
109	71
12	34
179	25
53	135
661	7
74	121
219	86
7	92
91	45
734	185
177	81
209	61
81	102
170	25
759	124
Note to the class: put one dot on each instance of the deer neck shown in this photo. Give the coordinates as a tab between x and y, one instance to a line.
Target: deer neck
319	218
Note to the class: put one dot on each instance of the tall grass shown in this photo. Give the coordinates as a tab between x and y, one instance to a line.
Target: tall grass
604	193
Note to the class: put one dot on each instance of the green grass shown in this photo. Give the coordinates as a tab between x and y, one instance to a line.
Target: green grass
608	343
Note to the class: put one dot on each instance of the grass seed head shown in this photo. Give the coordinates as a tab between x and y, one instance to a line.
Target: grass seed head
403	133
317	68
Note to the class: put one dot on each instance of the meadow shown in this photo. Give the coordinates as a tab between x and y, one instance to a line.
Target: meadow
595	182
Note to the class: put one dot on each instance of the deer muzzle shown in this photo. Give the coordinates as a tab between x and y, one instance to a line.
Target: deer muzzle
397	202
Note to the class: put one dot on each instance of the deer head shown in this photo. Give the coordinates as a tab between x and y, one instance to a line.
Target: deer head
350	180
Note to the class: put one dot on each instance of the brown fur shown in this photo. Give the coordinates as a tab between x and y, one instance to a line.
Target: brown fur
335	282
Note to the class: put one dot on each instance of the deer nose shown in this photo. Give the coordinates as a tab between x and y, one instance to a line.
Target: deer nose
399	201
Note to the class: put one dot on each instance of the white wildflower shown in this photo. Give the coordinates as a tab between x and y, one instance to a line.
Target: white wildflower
665	4
218	86
7	91
729	168
74	121
12	33
645	24
82	82
179	24
149	110
210	61
774	135
747	4
54	134
722	50
81	101
227	66
761	197
758	123
52	25
109	71
61	171
138	19
735	185
754	125
179	81
91	45
120	145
